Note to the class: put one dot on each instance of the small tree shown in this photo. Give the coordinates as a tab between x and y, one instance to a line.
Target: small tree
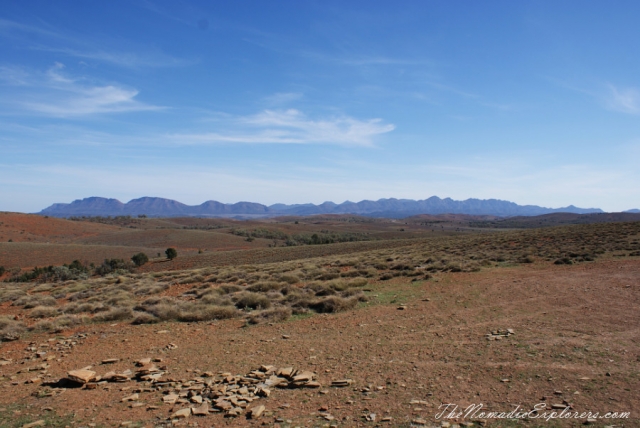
140	259
171	253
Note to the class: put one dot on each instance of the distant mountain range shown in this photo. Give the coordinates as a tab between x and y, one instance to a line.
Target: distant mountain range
392	208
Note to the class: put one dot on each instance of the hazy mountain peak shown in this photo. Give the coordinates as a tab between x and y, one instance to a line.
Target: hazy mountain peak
389	207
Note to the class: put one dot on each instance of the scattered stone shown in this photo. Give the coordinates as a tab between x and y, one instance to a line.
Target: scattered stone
202	410
81	376
386	419
38	423
590	421
110	361
304	377
341	383
236	411
229	394
559	406
117	377
182	413
371	417
505	380
419	421
286	336
500	334
132	397
285	372
223	405
170	398
402	307
256	412
143	362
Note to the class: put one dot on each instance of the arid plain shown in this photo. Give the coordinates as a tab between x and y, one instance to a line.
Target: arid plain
319	321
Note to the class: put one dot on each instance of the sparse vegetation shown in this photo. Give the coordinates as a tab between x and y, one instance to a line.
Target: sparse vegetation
171	253
10	329
140	259
290	281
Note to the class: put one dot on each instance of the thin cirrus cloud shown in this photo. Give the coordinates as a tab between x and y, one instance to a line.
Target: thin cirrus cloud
55	94
122	59
626	100
58	42
292	127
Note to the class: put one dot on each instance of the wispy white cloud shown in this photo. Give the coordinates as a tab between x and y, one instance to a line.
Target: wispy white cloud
8	27
15	76
123	59
612	97
292	127
282	98
54	93
626	100
53	40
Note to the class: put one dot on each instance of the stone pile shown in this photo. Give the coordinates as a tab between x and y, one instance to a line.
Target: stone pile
500	334
231	395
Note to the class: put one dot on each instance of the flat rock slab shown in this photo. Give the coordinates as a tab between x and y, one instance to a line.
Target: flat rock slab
256	412
82	375
182	413
202	410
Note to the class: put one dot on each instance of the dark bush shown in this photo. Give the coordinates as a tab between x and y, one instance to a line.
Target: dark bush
140	259
171	253
113	265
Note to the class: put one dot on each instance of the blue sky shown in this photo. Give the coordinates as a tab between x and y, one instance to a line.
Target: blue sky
537	102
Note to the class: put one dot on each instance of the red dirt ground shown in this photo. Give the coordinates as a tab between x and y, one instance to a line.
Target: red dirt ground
577	340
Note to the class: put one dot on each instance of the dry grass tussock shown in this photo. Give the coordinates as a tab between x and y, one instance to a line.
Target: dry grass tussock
271	292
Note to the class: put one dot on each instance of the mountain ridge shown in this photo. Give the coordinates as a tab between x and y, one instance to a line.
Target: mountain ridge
386	207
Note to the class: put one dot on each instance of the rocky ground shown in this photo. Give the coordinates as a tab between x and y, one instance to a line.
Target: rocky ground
562	335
